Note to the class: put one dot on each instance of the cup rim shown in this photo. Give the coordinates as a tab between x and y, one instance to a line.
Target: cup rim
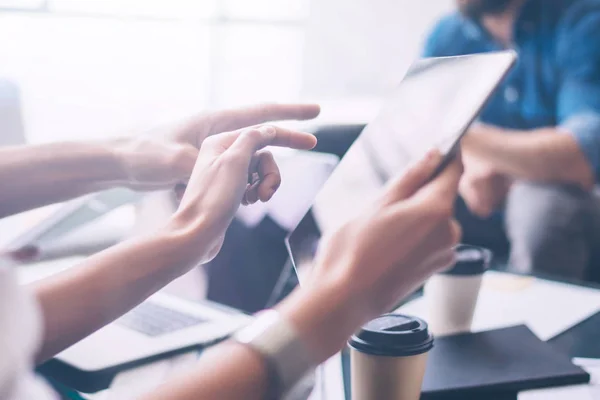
361	345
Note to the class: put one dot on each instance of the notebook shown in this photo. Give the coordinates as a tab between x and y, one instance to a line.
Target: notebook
508	360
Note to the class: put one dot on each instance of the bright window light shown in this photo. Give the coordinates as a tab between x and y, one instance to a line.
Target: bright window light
25	4
89	69
267	9
147	8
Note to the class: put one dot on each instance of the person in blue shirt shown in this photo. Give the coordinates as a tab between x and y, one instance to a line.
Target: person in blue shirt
533	158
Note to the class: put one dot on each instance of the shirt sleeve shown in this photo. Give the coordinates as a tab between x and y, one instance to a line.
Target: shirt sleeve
439	41
20	333
430	48
578	56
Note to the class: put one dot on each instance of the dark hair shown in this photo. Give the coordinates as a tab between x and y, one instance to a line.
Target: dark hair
476	9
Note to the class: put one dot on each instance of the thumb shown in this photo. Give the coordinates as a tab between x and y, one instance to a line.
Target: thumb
408	183
444	187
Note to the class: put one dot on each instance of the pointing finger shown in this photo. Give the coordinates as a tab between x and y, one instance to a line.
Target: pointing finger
250	141
230	120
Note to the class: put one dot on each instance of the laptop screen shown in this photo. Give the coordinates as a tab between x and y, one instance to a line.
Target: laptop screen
431	108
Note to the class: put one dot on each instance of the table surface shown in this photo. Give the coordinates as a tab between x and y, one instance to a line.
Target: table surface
582	340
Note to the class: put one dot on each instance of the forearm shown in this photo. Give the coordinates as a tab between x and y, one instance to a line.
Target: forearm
227	371
544	155
232	371
33	176
80	301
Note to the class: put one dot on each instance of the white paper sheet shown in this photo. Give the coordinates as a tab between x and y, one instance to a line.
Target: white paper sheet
547	308
330	380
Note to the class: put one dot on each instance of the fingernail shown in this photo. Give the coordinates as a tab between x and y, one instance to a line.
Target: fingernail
268	131
432	155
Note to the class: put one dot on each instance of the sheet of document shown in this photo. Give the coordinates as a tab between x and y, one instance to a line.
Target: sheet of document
547	308
330	380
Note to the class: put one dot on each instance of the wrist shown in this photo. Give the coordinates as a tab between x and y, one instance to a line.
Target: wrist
324	317
191	230
120	151
103	167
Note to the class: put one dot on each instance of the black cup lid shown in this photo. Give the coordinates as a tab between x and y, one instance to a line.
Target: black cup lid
393	335
470	260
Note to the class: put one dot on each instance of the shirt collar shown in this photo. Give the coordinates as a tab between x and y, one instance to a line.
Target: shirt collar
525	22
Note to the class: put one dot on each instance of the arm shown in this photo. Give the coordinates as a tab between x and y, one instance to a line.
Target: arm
547	155
80	301
570	152
334	304
233	371
33	176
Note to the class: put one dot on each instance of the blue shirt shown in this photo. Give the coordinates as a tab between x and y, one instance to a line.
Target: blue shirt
556	81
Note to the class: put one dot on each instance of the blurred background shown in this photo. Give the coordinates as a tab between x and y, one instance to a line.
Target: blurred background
85	69
91	69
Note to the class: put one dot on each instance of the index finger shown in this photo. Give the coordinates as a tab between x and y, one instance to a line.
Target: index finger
251	140
230	120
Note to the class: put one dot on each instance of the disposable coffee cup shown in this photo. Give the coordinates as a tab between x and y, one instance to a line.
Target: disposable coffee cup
388	358
451	296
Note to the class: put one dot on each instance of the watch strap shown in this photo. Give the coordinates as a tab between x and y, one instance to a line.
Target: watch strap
279	344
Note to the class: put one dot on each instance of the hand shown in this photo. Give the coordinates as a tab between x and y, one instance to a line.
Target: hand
483	189
371	262
160	161
231	169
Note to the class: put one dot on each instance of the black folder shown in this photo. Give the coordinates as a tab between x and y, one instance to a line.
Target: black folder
496	364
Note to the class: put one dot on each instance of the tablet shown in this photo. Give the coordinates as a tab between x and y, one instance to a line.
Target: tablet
432	107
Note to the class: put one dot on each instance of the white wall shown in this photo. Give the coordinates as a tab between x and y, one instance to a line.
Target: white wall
362	47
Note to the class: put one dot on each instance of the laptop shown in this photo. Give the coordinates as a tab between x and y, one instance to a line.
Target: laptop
161	325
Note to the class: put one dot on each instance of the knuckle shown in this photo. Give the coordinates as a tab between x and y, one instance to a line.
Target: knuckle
276	179
267	109
252	134
210	142
268	159
179	157
443	210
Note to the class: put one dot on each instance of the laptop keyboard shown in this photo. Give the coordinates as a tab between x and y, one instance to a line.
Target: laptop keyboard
153	320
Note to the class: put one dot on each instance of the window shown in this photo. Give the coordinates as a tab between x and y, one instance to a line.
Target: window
92	68
22	4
